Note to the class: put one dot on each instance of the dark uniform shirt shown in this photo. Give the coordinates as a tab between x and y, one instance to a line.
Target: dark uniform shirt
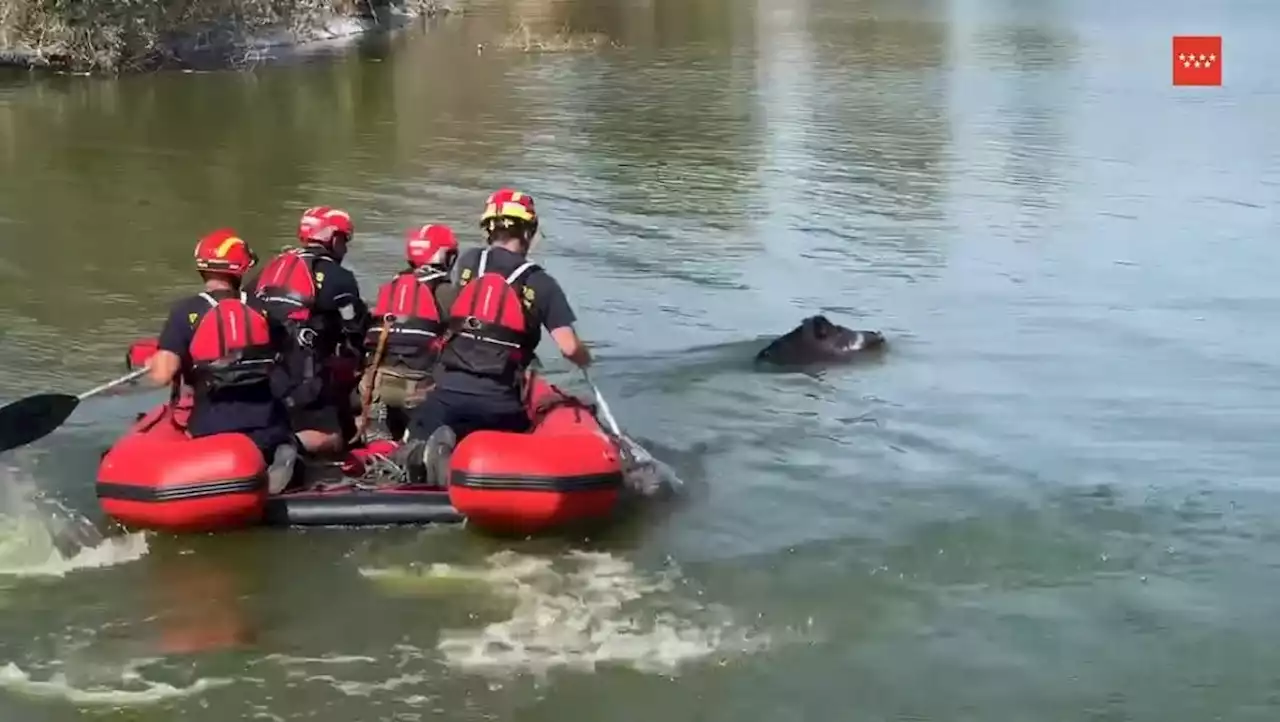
339	317
550	308
339	308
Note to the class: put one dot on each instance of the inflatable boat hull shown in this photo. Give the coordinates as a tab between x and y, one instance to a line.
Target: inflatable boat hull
566	472
156	477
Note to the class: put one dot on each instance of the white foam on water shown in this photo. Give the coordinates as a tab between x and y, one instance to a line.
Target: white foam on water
354	688
40	537
582	611
133	689
286	659
436	580
110	552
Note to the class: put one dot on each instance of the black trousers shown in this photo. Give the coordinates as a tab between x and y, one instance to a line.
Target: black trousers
465	413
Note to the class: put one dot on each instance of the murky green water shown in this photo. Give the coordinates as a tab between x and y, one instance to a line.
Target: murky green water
1053	500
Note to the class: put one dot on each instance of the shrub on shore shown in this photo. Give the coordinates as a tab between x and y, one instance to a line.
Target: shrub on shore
127	35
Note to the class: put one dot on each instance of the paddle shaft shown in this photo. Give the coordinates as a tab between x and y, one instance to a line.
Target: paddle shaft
604	406
131	376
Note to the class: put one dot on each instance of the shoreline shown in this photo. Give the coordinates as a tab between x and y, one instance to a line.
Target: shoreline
226	45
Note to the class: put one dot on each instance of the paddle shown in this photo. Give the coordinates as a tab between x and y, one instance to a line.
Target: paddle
639	455
35	417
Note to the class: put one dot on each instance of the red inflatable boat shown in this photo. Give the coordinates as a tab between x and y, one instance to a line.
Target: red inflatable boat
565	472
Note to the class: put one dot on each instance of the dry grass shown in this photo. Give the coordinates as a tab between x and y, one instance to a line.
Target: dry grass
526	40
127	35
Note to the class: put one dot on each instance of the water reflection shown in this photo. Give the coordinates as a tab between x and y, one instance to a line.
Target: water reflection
877	138
648	25
1037	134
1021	120
197	605
675	135
881	35
109	182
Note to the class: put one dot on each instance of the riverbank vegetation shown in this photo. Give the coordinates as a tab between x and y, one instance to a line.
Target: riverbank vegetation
128	35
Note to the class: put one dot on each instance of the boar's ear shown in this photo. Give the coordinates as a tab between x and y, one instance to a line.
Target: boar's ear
820	325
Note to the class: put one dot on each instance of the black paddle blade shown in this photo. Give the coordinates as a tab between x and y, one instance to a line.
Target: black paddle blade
34	417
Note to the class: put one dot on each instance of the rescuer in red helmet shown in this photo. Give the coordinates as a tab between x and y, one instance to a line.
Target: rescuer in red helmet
310	292
226	348
411	309
503	302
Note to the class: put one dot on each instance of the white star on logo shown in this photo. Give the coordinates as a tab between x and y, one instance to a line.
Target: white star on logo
1182	57
1197	63
1186	64
1213	58
1202	58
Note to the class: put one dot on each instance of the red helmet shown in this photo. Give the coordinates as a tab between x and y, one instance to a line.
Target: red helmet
431	245
224	252
325	226
508	208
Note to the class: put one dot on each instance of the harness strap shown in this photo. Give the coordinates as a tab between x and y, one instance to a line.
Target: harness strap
213	302
413	332
511	279
516	274
490	339
431	274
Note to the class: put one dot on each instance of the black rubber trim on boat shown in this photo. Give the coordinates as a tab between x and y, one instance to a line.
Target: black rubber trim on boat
179	492
564	484
361	508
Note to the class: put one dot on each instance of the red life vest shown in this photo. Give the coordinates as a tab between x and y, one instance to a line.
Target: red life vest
287	286
417	321
492	332
231	345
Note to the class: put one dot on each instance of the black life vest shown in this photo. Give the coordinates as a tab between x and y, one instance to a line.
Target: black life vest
231	345
492	330
416	319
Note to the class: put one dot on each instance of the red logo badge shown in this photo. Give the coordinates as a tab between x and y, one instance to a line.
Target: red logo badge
1197	60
